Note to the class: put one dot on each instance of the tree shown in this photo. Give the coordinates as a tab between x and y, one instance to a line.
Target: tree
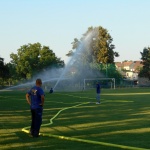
96	48
103	48
12	76
1	70
100	45
145	71
1	67
4	71
33	58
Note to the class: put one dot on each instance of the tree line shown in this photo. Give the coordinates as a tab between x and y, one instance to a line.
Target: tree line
29	60
98	55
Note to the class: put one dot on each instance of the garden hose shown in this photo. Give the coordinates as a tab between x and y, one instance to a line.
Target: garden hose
26	130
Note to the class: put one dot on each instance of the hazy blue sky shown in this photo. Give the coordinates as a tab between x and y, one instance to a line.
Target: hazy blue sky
55	23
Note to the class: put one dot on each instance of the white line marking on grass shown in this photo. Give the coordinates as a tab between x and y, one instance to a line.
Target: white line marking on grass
127	94
26	130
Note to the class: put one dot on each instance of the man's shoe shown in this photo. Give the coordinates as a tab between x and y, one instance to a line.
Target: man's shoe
35	136
98	103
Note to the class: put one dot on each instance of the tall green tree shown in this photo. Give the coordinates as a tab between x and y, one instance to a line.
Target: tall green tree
1	70
1	67
145	57
13	77
96	48
33	58
103	48
100	46
4	71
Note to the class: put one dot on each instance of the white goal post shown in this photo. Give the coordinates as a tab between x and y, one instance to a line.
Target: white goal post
111	81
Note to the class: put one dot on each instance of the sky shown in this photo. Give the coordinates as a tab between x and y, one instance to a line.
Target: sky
55	23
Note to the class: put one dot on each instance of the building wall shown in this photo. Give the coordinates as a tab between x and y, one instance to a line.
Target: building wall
131	75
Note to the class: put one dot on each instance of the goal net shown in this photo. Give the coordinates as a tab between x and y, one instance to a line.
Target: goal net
105	83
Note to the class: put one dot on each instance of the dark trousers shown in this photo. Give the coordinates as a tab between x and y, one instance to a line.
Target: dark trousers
36	116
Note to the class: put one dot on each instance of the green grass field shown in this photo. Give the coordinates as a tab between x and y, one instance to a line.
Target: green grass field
121	121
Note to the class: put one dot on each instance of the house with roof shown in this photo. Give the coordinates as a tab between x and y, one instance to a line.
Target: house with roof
129	69
127	65
137	65
118	65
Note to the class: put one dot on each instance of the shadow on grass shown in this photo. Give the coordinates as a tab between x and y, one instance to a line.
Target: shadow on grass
120	119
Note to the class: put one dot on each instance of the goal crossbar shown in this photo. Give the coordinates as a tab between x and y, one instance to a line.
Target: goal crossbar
112	79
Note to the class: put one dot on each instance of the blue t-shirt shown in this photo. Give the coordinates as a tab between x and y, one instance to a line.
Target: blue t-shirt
98	88
35	94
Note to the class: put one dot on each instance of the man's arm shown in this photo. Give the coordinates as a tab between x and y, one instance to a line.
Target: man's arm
42	100
28	99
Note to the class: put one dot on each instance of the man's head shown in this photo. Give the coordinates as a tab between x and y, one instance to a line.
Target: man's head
38	82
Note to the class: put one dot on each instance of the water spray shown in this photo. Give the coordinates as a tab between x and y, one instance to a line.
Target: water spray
86	41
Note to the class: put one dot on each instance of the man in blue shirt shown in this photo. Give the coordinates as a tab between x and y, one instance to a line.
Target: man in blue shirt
98	91
35	98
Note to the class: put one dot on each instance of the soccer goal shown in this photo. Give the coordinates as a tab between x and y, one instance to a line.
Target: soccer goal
105	83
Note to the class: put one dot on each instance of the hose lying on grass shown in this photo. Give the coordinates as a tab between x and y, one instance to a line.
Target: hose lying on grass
26	130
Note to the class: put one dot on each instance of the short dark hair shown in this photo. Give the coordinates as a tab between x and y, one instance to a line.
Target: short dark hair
38	81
